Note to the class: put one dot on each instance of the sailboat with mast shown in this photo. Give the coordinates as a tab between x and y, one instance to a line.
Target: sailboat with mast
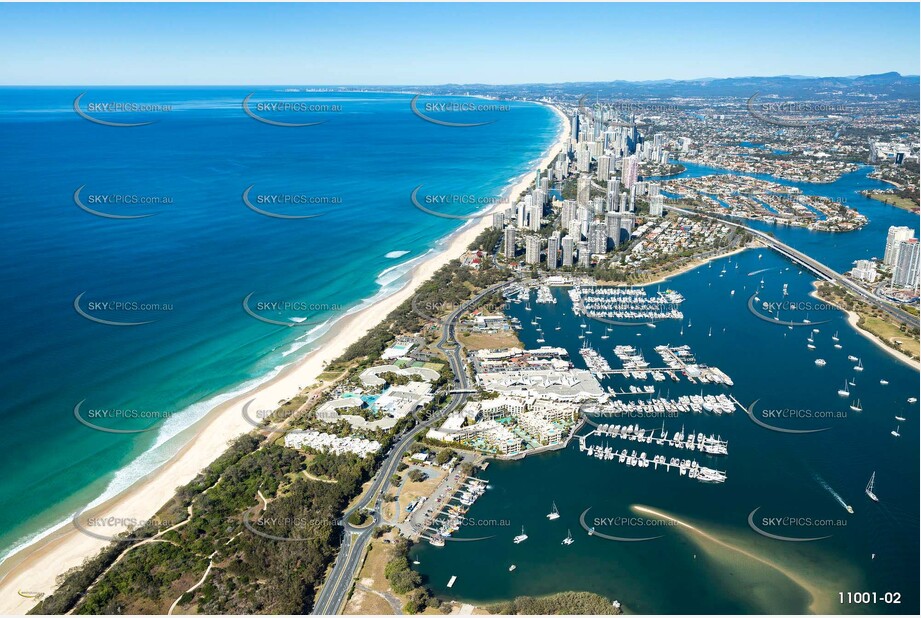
895	432
568	540
869	489
859	366
844	392
856	406
554	513
521	538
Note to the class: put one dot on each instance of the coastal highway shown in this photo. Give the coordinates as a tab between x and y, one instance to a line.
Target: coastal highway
335	590
813	265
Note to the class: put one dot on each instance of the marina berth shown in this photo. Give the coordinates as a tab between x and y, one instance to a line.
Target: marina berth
625	303
709	444
686	467
715	404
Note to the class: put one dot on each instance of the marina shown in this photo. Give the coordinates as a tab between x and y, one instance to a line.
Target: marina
709	444
449	515
716	404
625	303
677	360
716	498
686	467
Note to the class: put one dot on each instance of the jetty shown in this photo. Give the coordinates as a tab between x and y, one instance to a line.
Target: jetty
686	467
449	516
711	445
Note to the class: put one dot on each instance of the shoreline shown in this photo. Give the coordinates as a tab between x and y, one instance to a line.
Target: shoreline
852	319
697	263
34	568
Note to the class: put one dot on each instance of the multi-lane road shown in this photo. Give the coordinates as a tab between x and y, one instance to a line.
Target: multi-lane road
335	590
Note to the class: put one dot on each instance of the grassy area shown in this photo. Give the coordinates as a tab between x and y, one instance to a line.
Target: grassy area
374	587
894	200
874	321
371	576
486	341
889	332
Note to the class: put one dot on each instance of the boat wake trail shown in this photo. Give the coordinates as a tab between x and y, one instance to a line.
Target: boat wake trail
758	272
829	489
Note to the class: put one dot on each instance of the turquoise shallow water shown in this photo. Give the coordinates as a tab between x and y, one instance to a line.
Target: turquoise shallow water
791	476
198	257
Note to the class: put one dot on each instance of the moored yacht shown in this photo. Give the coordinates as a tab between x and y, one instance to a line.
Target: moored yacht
554	513
568	540
521	538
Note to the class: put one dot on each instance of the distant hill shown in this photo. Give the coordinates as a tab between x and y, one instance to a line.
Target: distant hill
885	85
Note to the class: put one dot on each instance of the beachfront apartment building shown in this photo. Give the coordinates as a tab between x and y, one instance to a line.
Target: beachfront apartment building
329	443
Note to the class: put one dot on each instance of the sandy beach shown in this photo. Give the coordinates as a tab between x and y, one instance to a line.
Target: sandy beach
853	318
35	568
694	264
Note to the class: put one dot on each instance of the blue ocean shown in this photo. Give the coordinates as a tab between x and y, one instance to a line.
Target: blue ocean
108	225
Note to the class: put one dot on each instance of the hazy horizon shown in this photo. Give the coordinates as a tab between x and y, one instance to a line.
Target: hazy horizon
428	44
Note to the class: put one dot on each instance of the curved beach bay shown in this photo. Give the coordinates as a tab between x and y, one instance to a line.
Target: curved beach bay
203	254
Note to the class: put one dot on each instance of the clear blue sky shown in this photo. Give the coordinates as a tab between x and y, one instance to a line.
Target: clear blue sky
443	43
